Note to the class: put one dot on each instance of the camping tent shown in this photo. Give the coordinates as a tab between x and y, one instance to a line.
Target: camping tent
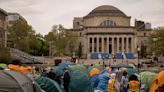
80	68
3	66
94	71
79	82
146	78
121	65
48	85
157	82
11	81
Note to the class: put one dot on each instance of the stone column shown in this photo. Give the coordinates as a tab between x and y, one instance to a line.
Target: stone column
132	45
102	39
118	44
127	44
122	47
92	44
113	46
107	44
97	47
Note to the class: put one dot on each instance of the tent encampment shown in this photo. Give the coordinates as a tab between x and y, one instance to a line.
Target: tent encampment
11	81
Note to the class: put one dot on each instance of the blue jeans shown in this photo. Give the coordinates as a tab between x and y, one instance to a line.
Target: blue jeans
124	89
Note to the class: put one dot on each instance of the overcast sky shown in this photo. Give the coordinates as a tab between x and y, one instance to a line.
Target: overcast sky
43	14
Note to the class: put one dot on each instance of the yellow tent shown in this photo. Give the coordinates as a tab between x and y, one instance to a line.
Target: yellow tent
157	82
94	71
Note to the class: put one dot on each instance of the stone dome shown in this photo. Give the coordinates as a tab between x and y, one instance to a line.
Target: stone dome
106	10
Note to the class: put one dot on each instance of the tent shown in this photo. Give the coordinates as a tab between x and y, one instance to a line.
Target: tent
48	85
103	82
94	71
100	67
79	82
146	78
157	82
121	65
131	71
11	81
80	68
3	66
94	80
67	63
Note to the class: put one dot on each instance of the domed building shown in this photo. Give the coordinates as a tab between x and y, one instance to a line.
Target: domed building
106	29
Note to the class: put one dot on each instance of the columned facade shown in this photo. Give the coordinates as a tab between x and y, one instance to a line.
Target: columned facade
107	30
108	44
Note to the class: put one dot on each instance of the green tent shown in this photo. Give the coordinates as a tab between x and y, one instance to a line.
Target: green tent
48	84
3	66
79	82
79	67
11	81
146	78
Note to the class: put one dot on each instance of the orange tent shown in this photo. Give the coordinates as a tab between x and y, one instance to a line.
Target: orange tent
21	69
94	71
157	82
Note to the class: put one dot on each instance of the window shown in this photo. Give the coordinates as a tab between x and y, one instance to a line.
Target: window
144	34
107	23
78	23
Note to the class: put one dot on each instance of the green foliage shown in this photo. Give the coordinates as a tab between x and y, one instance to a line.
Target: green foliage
63	41
24	38
156	42
5	55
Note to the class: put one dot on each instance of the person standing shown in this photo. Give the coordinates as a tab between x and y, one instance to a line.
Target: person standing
124	82
113	85
133	84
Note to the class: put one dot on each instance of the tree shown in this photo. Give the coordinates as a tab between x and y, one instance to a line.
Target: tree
18	35
26	39
156	42
63	40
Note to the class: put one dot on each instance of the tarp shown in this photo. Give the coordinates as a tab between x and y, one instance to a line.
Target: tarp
94	56
105	56
118	56
121	65
146	78
157	82
48	85
94	71
129	55
79	82
11	81
80	68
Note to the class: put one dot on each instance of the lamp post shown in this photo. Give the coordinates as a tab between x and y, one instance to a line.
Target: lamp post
138	52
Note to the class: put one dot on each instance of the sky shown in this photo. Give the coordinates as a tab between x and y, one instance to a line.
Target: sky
43	14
